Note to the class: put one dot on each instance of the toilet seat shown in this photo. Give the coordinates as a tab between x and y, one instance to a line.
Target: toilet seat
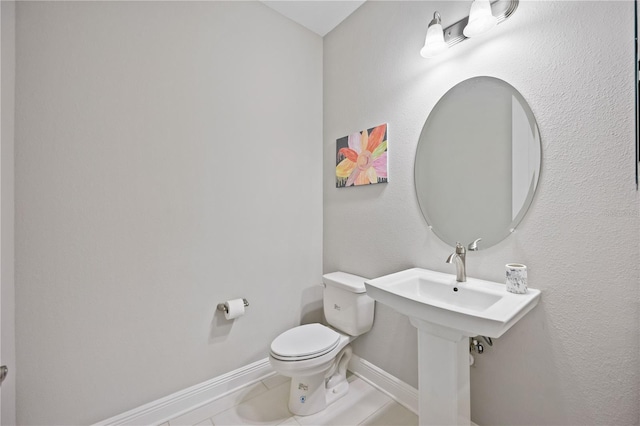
304	342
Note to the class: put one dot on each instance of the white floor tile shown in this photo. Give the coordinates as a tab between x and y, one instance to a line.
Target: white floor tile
289	422
206	422
219	405
392	414
275	380
268	408
360	402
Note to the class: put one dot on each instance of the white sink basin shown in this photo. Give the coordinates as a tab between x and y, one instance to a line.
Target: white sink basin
475	307
446	313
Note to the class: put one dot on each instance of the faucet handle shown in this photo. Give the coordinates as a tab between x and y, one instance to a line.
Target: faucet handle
474	245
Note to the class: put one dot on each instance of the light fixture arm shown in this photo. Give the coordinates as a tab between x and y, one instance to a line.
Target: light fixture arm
436	19
502	9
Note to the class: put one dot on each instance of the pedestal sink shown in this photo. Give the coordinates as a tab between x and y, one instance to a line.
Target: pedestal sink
446	313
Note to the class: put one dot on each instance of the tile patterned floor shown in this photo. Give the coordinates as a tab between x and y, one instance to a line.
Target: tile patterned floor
265	403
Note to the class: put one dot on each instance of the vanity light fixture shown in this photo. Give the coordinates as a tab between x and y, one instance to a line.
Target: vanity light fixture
434	43
483	16
481	19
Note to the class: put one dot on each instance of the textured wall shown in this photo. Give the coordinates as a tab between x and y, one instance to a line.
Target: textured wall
575	358
7	338
168	157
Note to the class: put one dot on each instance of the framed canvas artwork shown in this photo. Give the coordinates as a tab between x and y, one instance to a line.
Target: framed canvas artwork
361	158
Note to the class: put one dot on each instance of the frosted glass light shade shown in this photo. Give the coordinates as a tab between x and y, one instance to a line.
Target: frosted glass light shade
481	19
434	43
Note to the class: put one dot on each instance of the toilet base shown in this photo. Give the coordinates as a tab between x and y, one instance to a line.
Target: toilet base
307	395
311	394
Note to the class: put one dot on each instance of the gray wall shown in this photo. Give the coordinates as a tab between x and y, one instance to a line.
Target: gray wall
575	358
7	205
168	157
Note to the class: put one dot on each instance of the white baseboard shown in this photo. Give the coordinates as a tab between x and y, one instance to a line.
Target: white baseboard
176	404
161	410
406	395
403	393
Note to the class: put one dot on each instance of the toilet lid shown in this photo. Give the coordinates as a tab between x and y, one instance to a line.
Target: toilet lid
305	341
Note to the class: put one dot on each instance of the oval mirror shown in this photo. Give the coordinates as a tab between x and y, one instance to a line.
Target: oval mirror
477	162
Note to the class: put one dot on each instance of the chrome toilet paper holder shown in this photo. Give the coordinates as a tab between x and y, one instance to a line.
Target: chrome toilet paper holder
223	308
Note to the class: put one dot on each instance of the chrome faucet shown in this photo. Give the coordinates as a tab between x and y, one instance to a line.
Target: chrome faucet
459	258
474	245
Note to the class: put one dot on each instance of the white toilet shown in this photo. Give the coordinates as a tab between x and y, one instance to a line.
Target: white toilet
316	356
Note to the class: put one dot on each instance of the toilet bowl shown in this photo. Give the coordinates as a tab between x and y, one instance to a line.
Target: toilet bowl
316	356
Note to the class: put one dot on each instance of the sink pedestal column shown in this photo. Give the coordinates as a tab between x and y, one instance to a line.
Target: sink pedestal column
443	370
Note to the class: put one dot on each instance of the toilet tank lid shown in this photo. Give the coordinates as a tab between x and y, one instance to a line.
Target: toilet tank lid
345	281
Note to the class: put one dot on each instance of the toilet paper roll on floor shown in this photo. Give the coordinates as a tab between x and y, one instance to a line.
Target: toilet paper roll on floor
233	308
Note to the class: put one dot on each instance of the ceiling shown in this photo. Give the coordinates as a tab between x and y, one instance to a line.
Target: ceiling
317	15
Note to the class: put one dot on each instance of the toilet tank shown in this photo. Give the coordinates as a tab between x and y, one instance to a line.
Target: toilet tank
346	304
